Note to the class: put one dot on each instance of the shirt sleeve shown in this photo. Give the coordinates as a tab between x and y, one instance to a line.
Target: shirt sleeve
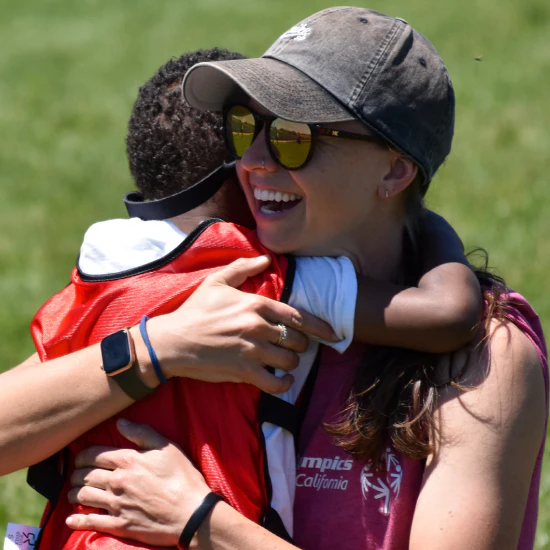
327	288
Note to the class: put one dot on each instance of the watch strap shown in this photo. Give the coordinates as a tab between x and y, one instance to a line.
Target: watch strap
131	384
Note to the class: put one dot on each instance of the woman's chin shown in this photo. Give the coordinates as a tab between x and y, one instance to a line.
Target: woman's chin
276	242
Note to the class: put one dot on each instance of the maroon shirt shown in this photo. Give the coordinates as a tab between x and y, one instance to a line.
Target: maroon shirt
344	503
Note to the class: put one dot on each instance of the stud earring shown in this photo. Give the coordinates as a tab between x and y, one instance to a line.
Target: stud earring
387	194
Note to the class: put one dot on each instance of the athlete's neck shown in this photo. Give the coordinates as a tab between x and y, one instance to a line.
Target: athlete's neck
188	221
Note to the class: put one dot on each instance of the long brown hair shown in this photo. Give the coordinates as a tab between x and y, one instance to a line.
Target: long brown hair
395	392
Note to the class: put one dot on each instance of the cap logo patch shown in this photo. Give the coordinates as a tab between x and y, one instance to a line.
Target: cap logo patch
298	32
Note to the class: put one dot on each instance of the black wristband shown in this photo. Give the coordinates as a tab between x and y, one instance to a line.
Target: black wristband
196	519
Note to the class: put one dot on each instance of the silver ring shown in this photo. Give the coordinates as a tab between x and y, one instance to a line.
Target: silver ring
282	337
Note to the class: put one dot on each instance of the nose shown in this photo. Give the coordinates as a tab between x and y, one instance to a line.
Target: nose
257	156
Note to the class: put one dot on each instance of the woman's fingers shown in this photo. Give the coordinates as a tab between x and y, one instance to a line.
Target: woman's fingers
236	273
305	322
269	383
142	435
286	337
95	522
92	477
107	458
92	497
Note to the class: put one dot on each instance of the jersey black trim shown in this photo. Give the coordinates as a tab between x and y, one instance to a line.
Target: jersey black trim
47	479
305	397
289	279
281	413
271	520
185	244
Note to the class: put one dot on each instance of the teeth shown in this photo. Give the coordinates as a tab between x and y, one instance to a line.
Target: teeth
278	196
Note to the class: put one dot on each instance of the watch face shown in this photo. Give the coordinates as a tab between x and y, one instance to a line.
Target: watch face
116	353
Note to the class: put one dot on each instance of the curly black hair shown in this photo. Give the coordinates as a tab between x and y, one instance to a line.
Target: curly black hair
171	145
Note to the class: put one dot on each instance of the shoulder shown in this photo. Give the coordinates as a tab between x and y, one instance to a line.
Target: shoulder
325	269
118	245
324	279
123	229
503	388
477	483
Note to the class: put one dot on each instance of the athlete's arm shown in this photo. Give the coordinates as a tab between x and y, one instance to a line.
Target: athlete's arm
219	334
476	485
132	487
439	315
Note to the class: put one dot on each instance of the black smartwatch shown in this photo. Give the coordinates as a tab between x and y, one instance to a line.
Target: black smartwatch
119	357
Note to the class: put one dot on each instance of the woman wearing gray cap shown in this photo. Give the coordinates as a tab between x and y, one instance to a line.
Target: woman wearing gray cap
338	130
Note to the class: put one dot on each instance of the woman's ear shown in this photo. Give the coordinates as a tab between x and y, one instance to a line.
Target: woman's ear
402	172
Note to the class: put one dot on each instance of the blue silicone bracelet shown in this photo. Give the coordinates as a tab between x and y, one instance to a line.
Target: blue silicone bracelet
152	354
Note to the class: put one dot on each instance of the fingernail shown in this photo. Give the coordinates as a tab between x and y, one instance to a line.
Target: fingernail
70	521
123	423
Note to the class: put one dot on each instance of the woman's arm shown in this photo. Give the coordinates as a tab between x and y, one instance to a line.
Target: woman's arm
219	334
150	495
439	315
476	485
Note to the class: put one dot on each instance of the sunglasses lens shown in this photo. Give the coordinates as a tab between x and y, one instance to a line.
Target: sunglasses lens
290	142
239	128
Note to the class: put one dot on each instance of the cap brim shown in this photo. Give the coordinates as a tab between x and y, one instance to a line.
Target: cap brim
278	87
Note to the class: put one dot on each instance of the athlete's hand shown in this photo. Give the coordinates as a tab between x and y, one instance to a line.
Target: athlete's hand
221	334
149	495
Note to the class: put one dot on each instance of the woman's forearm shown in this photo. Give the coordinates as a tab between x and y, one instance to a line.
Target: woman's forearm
45	406
226	529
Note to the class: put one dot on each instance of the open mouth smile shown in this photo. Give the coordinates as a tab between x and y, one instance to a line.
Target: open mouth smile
271	202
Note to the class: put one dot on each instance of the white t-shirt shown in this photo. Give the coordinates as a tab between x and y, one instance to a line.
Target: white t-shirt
325	287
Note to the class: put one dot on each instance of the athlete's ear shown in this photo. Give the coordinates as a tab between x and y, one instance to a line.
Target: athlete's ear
401	173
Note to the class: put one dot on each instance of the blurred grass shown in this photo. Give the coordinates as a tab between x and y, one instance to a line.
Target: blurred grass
69	72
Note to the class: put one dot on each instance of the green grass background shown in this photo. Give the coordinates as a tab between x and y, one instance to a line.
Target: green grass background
69	72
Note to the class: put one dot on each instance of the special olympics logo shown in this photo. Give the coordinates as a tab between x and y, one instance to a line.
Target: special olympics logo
384	485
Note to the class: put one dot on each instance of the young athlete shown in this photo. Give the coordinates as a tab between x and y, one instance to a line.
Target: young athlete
133	268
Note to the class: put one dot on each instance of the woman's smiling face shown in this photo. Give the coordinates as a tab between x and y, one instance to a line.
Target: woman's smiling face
323	208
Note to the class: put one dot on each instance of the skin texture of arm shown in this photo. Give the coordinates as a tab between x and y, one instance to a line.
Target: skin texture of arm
438	316
218	335
476	485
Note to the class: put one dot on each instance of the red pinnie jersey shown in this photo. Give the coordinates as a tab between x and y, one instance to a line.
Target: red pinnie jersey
216	425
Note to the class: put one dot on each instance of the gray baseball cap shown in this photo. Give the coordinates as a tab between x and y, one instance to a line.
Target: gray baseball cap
344	63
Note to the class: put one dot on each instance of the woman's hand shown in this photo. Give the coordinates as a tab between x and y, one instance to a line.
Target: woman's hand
221	334
149	495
